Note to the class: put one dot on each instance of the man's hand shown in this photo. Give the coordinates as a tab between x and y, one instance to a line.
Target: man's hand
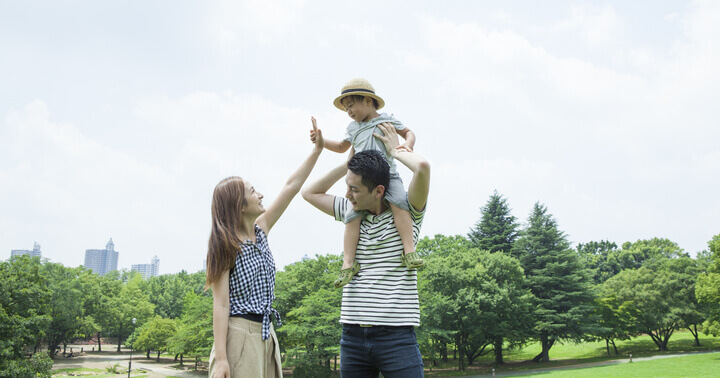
390	138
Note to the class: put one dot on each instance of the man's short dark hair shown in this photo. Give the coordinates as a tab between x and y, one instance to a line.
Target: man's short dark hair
372	168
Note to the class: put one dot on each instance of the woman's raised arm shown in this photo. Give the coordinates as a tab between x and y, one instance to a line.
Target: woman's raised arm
291	188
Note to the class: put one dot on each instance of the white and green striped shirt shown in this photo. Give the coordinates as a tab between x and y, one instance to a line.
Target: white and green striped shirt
384	292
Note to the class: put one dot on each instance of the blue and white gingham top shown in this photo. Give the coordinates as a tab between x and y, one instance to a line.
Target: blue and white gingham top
252	281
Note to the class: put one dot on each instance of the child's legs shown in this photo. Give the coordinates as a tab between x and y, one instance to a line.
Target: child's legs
397	198
350	241
404	225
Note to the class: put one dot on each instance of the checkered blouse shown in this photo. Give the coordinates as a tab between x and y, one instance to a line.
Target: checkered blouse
252	281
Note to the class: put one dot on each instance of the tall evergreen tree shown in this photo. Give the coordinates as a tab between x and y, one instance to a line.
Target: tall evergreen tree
496	231
558	280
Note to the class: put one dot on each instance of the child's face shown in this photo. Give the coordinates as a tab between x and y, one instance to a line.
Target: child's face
359	111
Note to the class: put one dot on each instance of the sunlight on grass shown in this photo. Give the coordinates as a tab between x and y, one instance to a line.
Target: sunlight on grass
699	365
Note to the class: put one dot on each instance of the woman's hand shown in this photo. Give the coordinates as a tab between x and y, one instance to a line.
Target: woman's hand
316	135
222	369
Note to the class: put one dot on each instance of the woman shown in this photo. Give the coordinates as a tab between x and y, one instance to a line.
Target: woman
241	272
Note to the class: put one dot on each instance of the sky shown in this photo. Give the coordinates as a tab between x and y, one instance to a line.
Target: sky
117	119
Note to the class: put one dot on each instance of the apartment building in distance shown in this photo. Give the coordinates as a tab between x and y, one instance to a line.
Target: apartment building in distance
102	261
35	252
148	270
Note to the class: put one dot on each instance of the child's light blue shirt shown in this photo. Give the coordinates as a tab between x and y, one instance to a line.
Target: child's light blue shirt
360	135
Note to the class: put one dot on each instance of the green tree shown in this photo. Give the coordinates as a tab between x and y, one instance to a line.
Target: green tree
601	257
708	289
496	231
100	292
310	308
658	293
686	270
155	335
472	297
24	301
634	255
130	303
167	293
617	321
195	333
66	306
434	341
563	297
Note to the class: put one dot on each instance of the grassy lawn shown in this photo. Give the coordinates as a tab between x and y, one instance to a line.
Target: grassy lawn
699	365
571	354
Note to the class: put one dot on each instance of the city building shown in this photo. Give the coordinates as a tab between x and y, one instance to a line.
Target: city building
34	253
102	261
148	270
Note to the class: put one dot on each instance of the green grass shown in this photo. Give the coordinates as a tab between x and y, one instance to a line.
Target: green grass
640	346
699	365
571	354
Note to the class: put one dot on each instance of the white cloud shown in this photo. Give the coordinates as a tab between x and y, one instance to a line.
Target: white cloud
232	26
596	26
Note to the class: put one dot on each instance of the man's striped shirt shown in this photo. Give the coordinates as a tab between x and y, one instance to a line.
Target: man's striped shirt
384	292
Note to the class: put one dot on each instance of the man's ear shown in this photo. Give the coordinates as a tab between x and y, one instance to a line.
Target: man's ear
379	191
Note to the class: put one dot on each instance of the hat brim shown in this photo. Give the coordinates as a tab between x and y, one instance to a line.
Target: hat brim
338	101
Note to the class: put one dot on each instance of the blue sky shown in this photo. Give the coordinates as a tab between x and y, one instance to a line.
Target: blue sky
117	119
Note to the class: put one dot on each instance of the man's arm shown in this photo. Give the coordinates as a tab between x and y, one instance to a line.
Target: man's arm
420	183
316	192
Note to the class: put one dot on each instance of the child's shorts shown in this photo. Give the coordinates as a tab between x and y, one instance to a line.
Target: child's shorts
395	194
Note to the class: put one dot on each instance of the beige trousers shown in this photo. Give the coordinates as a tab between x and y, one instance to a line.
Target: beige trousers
248	354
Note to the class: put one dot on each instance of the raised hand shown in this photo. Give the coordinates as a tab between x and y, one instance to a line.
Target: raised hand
316	135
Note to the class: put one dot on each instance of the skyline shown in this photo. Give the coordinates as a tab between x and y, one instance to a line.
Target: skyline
152	266
121	118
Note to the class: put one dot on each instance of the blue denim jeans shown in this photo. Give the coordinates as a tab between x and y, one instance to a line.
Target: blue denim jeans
367	351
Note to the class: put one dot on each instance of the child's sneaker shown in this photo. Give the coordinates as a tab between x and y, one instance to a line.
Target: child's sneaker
412	260
346	275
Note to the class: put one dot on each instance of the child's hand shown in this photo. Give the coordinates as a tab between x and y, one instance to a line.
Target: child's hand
405	147
316	135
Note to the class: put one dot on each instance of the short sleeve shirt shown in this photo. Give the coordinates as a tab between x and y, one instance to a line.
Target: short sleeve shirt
383	292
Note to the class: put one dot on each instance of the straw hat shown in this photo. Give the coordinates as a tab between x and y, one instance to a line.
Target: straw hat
360	87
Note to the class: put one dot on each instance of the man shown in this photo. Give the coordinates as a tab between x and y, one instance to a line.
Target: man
380	305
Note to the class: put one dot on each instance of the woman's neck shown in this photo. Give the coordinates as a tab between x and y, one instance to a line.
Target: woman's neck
247	229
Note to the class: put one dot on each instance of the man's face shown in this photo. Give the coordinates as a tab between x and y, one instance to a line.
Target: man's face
360	196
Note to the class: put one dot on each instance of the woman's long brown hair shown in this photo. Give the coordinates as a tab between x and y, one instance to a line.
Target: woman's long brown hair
227	203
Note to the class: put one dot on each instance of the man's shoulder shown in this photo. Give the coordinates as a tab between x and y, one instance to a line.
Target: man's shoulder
340	206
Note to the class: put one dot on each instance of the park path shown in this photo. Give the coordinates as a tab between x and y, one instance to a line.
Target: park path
587	365
101	360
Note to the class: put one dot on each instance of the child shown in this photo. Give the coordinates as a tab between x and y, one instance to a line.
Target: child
359	100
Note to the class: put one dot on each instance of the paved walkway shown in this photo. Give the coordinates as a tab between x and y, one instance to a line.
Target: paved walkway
580	366
101	360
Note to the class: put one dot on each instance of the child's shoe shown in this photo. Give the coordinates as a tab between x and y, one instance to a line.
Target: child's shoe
412	260
346	275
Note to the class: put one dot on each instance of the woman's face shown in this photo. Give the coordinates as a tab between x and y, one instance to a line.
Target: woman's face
253	200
